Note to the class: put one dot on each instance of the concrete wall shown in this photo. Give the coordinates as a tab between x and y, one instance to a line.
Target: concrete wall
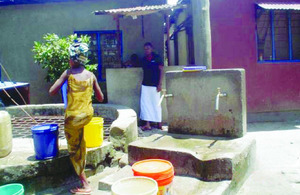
21	25
124	87
192	110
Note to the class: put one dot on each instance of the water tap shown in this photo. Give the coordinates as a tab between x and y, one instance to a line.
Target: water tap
219	94
164	95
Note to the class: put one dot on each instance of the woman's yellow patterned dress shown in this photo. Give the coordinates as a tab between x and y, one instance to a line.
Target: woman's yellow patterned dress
78	113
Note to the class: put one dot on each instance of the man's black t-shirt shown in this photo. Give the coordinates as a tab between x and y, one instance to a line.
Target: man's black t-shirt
151	70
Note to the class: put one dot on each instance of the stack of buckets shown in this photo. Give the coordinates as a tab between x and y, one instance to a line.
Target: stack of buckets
160	171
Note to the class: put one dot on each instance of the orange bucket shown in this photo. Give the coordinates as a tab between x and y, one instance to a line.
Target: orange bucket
161	171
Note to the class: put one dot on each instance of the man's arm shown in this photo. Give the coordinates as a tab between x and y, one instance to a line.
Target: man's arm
161	74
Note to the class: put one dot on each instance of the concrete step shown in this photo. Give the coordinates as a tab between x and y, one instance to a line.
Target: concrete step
106	182
181	185
202	157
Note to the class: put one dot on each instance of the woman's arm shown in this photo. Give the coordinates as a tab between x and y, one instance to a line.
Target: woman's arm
58	83
97	89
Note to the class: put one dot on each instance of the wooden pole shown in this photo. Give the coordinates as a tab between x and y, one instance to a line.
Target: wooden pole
117	18
168	38
202	33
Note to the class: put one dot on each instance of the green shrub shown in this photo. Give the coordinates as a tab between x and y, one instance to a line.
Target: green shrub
53	55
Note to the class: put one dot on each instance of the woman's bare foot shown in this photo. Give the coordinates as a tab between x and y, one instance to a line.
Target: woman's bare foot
85	186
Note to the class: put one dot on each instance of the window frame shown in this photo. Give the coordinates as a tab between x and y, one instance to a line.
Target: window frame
98	34
272	26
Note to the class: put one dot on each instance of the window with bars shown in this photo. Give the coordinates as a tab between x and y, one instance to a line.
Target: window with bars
278	35
105	50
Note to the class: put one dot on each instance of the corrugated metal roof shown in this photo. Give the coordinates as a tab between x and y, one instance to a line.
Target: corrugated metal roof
292	6
141	10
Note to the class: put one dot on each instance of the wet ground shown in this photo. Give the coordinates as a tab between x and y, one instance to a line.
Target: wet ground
22	125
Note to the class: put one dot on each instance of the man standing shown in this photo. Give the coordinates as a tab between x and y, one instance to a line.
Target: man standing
152	82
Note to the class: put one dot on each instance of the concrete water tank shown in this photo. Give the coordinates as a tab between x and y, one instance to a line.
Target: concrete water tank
5	134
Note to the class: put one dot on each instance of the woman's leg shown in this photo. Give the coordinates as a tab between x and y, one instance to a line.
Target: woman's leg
84	181
77	151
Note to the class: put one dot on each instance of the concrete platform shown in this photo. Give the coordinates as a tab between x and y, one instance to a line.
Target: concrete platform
205	158
21	164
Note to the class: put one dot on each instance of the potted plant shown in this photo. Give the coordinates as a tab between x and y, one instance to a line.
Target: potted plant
53	54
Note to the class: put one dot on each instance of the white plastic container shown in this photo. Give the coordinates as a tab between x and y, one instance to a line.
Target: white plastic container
135	186
5	134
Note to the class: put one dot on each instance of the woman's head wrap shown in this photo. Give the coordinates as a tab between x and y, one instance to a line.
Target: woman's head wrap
79	52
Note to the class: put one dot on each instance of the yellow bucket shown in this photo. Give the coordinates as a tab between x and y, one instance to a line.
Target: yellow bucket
93	133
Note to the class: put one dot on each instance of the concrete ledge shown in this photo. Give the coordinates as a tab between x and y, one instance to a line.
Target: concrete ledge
21	164
206	158
104	110
123	130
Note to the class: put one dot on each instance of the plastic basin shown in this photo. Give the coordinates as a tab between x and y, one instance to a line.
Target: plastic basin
135	186
12	189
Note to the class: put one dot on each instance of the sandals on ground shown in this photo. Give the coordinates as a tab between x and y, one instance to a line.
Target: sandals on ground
145	128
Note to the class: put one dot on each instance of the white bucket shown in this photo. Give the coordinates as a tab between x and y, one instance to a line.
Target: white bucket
135	186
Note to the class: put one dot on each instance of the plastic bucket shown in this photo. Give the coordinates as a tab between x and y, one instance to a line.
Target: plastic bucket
161	171
12	189
135	186
93	133
64	91
45	138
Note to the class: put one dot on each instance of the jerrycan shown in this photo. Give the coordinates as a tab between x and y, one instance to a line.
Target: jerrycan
5	134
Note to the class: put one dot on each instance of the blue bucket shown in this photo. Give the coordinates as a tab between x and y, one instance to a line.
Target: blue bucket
45	138
12	189
64	91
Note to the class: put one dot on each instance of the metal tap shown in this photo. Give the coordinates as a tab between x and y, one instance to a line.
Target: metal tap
164	95
219	94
